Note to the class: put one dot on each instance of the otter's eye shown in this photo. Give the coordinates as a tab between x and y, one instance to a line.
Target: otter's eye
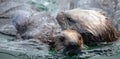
70	20
80	38
62	39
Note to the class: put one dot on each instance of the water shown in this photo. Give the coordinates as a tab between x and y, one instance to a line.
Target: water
28	49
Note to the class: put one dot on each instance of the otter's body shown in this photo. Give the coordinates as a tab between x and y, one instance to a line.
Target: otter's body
38	25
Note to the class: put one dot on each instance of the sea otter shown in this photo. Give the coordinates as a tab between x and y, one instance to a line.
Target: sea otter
39	25
93	26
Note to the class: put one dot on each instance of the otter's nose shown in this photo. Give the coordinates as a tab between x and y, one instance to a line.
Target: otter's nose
72	48
72	45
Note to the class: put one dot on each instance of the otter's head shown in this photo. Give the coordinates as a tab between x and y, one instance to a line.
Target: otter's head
70	41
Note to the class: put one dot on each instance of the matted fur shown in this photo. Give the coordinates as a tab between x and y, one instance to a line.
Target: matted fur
92	25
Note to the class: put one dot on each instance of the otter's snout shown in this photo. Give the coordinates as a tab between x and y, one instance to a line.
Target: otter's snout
72	45
72	48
